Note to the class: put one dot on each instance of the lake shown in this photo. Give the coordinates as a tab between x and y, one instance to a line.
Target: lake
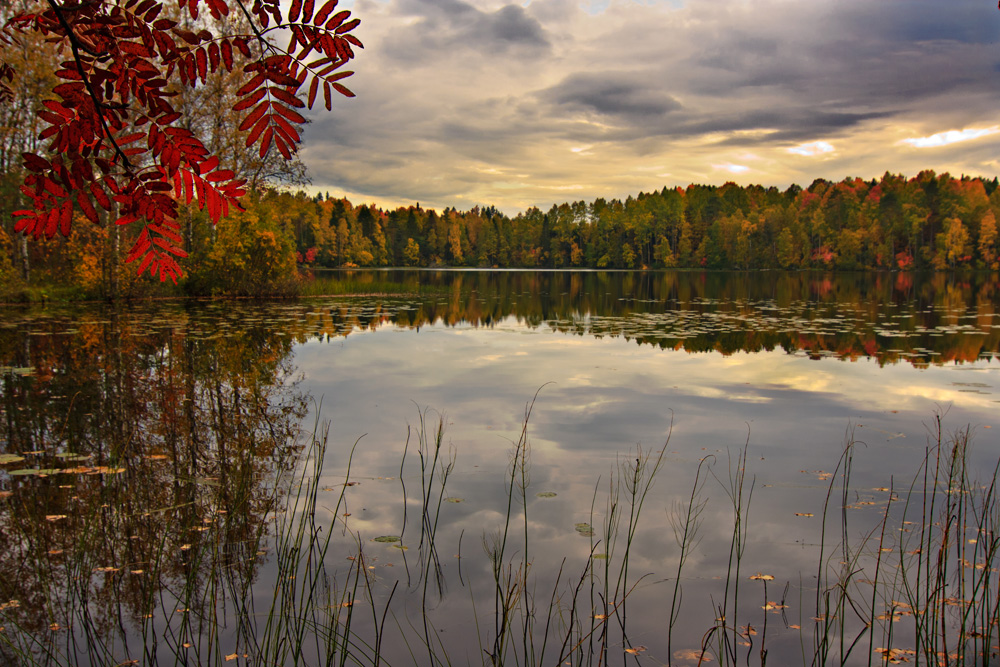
508	467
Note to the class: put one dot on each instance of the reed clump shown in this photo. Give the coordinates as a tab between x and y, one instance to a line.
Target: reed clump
916	581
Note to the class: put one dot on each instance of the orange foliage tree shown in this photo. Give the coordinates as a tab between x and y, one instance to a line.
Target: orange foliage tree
115	140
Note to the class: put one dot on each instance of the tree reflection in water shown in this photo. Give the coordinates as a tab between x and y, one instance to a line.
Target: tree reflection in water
150	448
144	452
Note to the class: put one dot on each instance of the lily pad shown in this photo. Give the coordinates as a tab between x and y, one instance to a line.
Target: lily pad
584	529
10	458
34	471
387	538
546	494
454	500
70	456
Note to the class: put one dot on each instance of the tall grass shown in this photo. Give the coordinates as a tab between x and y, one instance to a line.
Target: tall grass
916	581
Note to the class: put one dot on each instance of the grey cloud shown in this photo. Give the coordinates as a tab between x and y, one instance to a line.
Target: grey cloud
611	94
765	74
446	27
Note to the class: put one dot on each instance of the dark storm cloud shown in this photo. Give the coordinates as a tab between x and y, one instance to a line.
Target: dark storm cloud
907	21
777	125
448	27
487	100
611	94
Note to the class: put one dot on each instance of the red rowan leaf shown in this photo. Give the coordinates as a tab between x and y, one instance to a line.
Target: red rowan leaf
255	133
286	97
146	261
34	162
343	90
282	147
337	20
313	88
99	196
265	142
208	165
307	10
283	79
354	40
291	114
202	58
347	27
254	116
214	57
227	54
188	36
242	44
188	185
87	208
339	75
326	96
250	100
324	12
293	12
65	217
287	130
169	233
251	85
54	187
220	175
130	138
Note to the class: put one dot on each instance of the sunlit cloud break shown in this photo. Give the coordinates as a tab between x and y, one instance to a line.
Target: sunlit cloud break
732	168
951	137
812	148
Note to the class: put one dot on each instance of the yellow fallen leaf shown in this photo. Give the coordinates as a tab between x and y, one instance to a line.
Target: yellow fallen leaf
54	517
636	650
232	656
762	577
692	654
803	514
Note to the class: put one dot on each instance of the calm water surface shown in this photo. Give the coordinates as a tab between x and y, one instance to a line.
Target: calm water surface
141	448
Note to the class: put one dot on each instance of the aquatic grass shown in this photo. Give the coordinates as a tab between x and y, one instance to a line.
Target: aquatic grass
914	578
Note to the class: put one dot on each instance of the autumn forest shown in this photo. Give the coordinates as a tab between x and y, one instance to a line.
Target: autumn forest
927	222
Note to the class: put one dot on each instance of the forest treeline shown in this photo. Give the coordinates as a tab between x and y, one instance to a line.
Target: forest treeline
928	222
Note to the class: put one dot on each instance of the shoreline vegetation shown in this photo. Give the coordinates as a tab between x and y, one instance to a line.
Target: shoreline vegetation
918	583
926	223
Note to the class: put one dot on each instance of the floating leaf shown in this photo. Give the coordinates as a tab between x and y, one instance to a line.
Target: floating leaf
386	538
692	654
803	514
454	500
70	456
636	650
400	547
546	494
600	556
34	471
10	458
54	517
762	577
584	529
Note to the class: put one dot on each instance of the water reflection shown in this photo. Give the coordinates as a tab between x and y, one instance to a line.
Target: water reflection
143	450
135	445
889	317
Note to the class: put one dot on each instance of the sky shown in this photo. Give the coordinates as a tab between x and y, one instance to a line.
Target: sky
466	102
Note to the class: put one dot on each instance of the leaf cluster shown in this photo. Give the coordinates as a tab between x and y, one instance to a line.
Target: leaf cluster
117	147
